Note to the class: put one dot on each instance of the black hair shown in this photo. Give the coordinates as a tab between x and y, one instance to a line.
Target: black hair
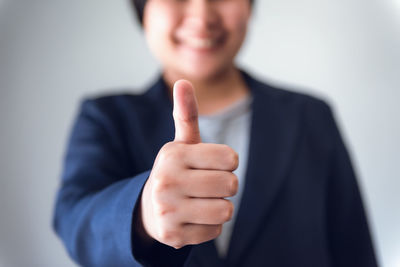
138	6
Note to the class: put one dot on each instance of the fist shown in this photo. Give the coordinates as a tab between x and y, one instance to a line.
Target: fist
183	201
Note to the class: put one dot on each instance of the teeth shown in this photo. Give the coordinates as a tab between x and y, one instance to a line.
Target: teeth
201	42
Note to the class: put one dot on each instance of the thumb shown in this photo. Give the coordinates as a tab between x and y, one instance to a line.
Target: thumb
185	113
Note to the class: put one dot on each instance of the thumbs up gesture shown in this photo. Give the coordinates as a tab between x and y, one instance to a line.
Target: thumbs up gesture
183	200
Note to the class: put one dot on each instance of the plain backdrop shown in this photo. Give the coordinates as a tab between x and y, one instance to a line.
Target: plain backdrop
54	53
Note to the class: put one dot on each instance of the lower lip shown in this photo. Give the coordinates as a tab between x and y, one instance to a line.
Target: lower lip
202	50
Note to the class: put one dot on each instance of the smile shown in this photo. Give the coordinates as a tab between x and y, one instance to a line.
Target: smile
199	43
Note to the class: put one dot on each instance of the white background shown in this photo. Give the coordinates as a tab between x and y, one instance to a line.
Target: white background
52	53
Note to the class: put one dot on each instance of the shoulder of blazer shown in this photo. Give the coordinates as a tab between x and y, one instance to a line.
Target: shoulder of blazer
283	96
142	105
156	92
314	113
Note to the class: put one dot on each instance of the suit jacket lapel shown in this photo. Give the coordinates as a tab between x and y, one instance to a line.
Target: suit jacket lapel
274	128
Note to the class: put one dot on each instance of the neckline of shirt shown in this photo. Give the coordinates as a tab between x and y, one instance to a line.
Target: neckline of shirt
236	109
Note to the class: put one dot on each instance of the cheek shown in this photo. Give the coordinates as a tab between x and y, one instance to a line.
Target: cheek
236	19
159	21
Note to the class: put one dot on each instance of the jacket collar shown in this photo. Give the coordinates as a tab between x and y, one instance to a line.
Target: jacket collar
274	128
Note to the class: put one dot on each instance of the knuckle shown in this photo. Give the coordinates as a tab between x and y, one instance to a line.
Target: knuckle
158	188
167	146
164	150
169	152
162	209
162	184
171	238
166	236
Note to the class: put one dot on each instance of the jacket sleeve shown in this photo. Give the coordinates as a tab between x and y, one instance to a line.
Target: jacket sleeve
96	201
349	235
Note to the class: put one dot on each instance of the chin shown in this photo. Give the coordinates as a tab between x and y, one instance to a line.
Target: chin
203	72
200	76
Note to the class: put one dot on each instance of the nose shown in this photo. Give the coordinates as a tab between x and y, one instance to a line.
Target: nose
201	14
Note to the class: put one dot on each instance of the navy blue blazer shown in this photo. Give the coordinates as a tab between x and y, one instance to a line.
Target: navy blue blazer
301	205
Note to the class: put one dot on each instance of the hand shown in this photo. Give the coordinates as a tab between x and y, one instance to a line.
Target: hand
183	200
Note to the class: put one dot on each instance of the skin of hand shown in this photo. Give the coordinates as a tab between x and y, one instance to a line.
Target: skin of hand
182	202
